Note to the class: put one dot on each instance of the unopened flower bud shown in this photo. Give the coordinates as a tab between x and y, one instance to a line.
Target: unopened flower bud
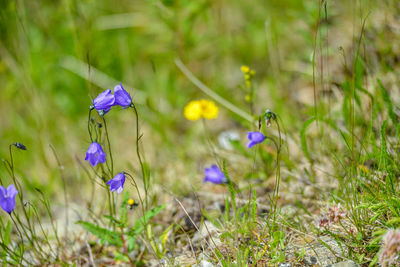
20	146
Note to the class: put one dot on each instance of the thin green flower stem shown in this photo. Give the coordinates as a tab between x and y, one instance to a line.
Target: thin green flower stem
41	227
139	195
111	161
144	221
209	141
88	126
278	173
253	169
145	181
20	235
251	102
19	189
110	206
14	254
274	197
46	203
30	239
109	147
60	168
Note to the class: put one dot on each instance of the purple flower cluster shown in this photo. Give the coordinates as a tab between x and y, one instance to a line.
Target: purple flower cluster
103	104
104	101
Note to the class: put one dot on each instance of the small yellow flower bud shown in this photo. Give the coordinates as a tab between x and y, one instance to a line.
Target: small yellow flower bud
245	69
252	72
131	202
248	84
247	98
247	76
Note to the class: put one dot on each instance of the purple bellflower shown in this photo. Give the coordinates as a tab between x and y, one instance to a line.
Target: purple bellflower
255	138
214	175
95	154
103	102
117	183
122	97
7	198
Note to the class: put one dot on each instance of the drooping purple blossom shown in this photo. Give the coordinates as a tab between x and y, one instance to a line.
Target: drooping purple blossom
214	175
7	198
104	101
255	138
122	97
117	183
95	154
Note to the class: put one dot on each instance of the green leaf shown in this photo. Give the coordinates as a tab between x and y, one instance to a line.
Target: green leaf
114	220
6	240
6	237
141	222
359	237
164	237
386	98
393	222
123	208
105	235
131	241
120	257
304	147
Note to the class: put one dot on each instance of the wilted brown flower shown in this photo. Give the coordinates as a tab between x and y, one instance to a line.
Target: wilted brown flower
390	249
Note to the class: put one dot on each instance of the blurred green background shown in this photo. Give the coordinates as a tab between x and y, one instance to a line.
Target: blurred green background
47	86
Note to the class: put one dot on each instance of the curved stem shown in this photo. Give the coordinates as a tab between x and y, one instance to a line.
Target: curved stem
109	148
20	235
88	126
137	190
209	141
145	181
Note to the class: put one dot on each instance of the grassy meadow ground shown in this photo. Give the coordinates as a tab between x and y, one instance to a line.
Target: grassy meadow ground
324	187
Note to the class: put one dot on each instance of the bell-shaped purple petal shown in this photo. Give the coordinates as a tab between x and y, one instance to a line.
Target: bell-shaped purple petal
122	97
7	198
104	101
117	183
255	138
214	175
95	154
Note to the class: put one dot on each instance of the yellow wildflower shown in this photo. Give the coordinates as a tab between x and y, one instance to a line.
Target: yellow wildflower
131	202
363	168
245	69
193	111
210	110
